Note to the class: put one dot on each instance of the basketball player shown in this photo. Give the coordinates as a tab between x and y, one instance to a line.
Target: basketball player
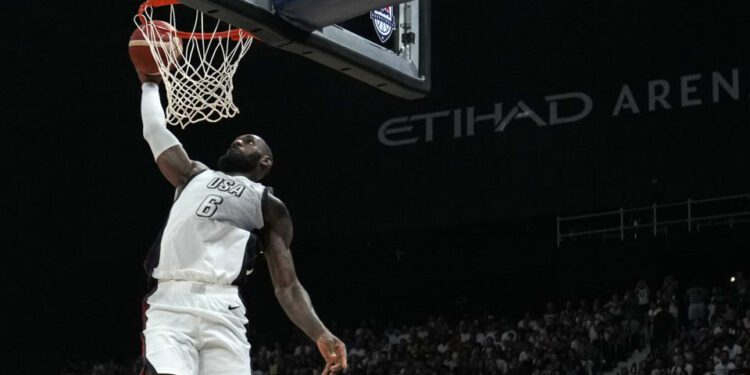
194	319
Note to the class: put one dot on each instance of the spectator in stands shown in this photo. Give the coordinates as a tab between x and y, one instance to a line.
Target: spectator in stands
550	316
614	307
658	368
742	285
733	349
697	302
631	307
725	365
717	303
644	295
664	326
527	324
678	366
669	286
708	367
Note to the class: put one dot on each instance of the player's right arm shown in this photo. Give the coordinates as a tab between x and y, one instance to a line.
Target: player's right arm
169	154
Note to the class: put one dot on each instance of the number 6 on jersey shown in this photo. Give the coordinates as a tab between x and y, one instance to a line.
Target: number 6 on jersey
209	206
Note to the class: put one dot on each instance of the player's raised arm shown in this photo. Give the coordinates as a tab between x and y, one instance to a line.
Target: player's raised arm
277	238
171	158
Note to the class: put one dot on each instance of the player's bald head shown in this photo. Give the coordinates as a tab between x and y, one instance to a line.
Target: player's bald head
266	162
263	146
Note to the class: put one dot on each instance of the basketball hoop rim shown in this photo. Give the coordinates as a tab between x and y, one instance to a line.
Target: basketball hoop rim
233	34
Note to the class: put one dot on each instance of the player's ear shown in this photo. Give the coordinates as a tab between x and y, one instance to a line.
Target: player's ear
266	161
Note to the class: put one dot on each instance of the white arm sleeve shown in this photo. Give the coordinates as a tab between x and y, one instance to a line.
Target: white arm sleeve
154	121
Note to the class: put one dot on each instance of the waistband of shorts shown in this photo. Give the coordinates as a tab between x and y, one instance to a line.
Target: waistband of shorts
195	287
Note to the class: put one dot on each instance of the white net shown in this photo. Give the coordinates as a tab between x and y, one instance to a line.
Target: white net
198	72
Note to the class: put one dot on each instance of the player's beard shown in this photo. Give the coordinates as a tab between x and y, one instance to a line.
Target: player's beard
235	161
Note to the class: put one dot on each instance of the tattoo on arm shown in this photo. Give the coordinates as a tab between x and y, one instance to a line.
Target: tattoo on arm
292	296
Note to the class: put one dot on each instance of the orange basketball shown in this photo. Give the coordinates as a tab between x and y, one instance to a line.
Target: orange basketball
165	38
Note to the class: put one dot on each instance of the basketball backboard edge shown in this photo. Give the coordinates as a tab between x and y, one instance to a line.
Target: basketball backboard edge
335	47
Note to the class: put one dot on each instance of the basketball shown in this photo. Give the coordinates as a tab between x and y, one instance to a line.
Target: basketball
166	41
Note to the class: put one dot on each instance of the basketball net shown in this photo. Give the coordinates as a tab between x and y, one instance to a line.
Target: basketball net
198	76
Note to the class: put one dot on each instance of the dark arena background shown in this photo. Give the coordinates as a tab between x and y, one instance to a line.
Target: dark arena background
421	227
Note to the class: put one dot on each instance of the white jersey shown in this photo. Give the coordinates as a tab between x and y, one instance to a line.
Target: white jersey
208	236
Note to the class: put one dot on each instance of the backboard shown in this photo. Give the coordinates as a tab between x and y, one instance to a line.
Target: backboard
385	46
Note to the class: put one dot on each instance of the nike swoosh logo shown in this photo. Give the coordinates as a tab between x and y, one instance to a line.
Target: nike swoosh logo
233	307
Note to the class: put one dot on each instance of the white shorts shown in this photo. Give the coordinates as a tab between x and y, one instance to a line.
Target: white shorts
196	329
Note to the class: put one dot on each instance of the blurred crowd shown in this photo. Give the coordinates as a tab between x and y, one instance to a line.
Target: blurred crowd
695	331
588	337
709	335
110	367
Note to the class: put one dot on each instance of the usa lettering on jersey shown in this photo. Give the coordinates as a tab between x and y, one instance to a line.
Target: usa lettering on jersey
227	186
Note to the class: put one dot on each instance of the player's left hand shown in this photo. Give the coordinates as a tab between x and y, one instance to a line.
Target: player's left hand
334	352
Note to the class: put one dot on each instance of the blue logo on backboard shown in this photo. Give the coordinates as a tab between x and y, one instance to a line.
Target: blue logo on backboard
384	22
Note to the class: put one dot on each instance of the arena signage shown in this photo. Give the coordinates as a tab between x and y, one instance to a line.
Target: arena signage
655	95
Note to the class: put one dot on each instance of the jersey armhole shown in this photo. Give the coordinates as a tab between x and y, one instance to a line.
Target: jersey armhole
264	198
263	202
180	189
